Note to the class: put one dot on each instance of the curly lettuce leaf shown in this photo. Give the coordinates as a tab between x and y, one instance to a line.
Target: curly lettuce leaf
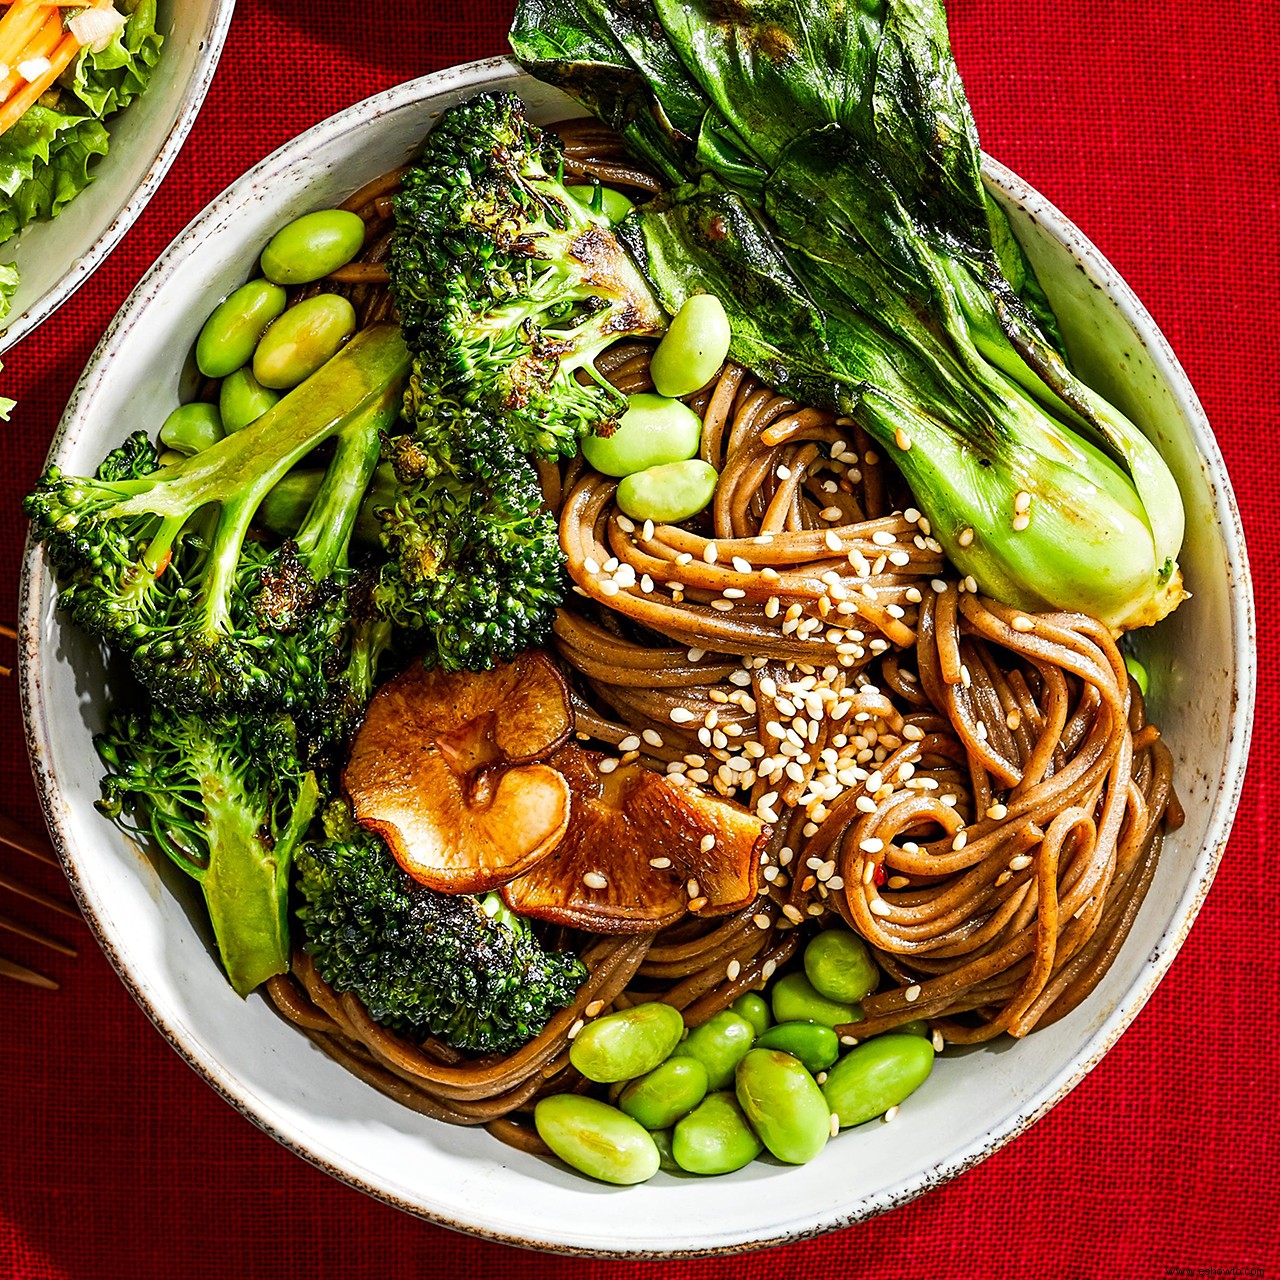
109	80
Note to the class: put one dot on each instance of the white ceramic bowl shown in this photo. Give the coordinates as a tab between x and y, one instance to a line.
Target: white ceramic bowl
57	257
146	918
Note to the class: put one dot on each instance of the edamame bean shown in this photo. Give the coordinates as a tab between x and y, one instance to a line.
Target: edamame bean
243	399
669	493
671	1090
1138	672
839	966
192	428
596	1139
720	1044
753	1006
784	1104
653	431
877	1075
666	1157
693	348
795	1000
302	339
626	1043
312	246
916	1027
815	1045
715	1137
236	324
601	199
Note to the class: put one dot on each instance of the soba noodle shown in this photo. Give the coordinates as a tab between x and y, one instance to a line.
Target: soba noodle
973	789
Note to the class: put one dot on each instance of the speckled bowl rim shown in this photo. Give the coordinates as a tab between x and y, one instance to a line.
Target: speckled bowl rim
1243	657
82	267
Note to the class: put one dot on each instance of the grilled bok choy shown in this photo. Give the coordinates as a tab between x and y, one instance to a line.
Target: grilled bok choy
827	187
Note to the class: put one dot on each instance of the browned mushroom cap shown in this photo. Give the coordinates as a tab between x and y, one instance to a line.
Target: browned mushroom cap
440	771
602	876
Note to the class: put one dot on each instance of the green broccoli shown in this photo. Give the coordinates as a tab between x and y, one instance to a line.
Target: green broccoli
159	561
228	800
462	968
507	286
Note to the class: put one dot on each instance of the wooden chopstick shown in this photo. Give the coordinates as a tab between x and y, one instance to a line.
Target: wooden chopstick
37	895
33	934
19	973
18	837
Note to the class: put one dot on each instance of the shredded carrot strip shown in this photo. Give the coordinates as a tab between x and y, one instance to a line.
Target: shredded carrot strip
44	43
17	27
59	61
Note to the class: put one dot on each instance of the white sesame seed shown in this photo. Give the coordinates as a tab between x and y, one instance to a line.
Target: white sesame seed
647	532
607	765
832	541
1022	502
1023	624
1020	863
768	969
761	921
609	588
835	1118
912	993
742	566
831	513
680	715
871	845
707	843
594	880
625	524
1021	522
692	888
897	882
900	558
652	737
938	1041
710	554
734	593
792	913
997	812
784	473
938	585
646	583
630	743
732	969
722	606
685	557
965	538
971	585
593	1008
878	907
660	864
591	565
890	1114
960	841
573	1030
882	538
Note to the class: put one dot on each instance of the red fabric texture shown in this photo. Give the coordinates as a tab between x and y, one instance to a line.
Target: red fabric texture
1152	126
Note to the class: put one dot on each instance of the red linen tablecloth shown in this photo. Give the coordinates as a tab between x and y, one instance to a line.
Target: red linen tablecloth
1153	127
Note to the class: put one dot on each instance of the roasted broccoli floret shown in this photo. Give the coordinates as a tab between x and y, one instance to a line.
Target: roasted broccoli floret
227	799
507	286
158	562
475	569
461	968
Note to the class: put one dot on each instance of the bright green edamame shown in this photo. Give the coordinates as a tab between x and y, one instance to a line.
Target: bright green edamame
815	1045
662	1096
302	339
596	1139
626	1043
243	399
653	431
668	493
755	1008
916	1027
312	246
715	1137
192	428
236	324
839	966
784	1104
877	1075
601	199
795	1000
693	348
1138	672
666	1156
720	1044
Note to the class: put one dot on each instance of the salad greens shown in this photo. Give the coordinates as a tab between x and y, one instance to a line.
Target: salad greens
827	186
46	158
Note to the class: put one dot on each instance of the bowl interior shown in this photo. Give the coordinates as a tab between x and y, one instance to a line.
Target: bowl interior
975	1100
56	257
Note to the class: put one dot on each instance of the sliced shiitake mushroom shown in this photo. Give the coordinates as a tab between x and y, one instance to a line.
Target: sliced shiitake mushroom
444	769
640	851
